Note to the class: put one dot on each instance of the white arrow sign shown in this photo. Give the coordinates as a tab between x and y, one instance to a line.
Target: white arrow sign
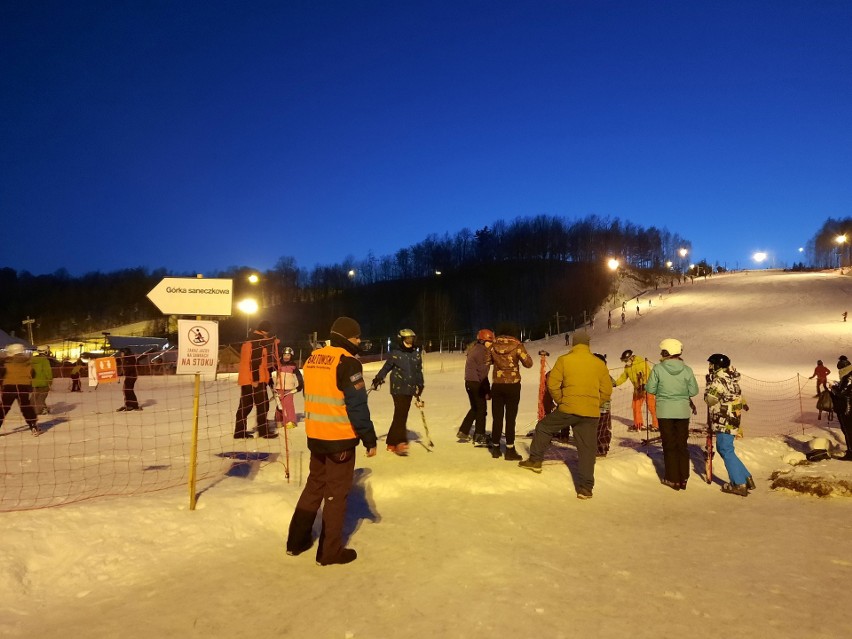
193	296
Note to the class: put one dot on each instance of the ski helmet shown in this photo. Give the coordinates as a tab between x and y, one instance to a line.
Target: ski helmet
717	361
485	335
406	332
626	355
670	347
287	351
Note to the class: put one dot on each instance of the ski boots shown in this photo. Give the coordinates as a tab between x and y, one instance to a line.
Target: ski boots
735	489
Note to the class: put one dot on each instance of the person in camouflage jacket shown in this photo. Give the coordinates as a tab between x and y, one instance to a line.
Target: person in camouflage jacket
725	405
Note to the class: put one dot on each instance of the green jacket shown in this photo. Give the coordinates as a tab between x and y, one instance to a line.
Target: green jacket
43	377
580	383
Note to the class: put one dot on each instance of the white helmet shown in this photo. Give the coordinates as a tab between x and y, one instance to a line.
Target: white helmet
14	349
670	347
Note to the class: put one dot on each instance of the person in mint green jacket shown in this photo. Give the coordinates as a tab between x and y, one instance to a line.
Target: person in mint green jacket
674	385
42	382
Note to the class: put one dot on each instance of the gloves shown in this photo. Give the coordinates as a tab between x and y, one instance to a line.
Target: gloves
377	382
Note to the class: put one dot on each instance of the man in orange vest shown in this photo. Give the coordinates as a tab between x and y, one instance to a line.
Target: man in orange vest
253	378
337	417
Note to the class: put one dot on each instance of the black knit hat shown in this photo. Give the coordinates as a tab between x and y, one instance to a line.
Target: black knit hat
346	327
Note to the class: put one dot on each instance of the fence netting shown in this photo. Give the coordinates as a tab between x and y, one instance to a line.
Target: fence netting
89	449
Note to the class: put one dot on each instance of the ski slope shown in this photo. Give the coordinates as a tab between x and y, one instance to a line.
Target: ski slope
453	543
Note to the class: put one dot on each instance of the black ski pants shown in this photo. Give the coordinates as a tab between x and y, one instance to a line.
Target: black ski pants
504	400
675	434
328	485
476	395
252	396
21	394
130	401
398	433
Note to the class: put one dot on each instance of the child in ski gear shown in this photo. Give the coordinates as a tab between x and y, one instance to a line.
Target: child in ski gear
253	377
637	369
605	421
725	405
507	354
337	418
674	385
821	373
16	382
289	383
476	386
405	366
579	384
76	370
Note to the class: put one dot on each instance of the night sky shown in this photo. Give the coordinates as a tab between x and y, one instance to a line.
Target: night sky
195	136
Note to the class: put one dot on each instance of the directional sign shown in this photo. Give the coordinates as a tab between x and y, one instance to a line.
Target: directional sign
193	296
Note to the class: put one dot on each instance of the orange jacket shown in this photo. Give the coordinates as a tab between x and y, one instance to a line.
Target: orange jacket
254	359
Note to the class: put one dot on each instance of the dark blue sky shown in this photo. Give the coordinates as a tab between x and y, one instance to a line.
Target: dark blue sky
199	135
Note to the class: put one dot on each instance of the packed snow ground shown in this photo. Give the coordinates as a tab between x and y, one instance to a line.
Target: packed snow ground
453	543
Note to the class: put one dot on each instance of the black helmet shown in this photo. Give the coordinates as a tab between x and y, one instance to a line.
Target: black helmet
717	361
626	355
601	356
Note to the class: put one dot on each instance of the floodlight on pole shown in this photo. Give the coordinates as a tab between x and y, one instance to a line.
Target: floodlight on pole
759	257
254	278
613	264
249	307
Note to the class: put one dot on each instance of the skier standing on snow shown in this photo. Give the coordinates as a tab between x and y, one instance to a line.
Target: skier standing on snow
253	377
821	373
337	417
841	397
16	373
580	385
290	382
405	366
725	403
605	421
478	390
507	353
637	370
42	381
129	367
673	384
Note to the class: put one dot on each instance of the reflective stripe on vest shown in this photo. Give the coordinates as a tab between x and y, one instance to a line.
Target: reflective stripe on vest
325	408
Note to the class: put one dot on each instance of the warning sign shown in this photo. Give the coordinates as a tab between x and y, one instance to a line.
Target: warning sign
198	347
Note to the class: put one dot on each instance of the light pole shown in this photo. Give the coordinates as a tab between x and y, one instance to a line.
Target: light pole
759	257
249	307
683	252
841	240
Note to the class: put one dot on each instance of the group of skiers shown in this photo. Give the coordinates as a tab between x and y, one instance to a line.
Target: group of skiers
265	366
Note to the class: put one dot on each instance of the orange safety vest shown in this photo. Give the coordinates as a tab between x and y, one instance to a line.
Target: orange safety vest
325	409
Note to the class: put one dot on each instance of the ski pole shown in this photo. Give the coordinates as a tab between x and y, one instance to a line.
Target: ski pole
420	403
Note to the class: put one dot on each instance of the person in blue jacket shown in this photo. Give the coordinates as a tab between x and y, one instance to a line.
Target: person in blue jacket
673	383
405	367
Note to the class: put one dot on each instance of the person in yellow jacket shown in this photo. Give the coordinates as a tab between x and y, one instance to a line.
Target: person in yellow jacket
16	373
337	418
256	356
580	385
637	369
